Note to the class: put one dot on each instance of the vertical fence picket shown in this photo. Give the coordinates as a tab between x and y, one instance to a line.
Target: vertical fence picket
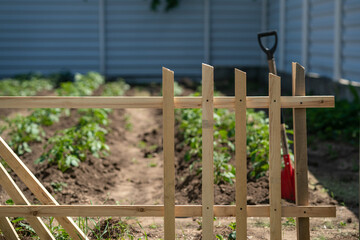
207	152
8	229
169	162
275	157
300	151
240	155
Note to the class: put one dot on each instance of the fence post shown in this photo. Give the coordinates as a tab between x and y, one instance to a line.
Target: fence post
207	152
300	152
275	157
169	162
240	155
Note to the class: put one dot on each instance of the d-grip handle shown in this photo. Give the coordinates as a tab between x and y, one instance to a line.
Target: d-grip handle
269	52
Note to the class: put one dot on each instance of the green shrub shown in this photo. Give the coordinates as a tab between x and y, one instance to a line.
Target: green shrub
340	123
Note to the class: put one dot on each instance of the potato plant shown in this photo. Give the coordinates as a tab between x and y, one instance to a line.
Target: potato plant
68	147
14	87
224	134
26	129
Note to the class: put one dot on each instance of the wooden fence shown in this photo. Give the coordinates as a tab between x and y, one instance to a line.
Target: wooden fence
298	102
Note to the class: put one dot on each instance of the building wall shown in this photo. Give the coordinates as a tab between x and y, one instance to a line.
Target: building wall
125	38
139	41
309	36
234	29
48	36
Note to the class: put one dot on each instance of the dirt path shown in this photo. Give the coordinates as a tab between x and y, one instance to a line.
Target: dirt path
141	181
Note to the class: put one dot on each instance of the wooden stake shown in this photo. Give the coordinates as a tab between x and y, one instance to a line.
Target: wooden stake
207	152
275	157
240	155
37	188
19	199
169	145
8	229
300	152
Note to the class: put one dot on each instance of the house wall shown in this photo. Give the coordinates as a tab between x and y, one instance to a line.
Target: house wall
322	35
125	38
48	36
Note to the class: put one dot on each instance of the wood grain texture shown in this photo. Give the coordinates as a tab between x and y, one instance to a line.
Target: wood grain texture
158	211
275	157
169	153
156	102
207	152
37	188
8	229
240	155
300	152
19	199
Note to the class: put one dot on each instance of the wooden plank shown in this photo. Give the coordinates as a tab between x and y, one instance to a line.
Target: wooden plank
207	152
300	152
19	199
156	102
275	157
8	229
169	153
37	188
158	211
240	155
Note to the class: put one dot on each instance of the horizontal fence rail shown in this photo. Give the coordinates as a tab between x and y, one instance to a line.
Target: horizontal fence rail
157	102
158	211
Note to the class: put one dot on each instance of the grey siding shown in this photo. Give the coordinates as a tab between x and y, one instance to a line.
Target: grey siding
293	28
350	66
273	10
321	37
139	42
234	28
47	36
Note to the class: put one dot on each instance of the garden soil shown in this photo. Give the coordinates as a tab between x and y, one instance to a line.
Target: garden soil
133	174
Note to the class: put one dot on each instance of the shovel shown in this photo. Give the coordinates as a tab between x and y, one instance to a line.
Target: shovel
287	174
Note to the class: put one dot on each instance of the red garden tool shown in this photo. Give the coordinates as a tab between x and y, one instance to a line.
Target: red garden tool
287	174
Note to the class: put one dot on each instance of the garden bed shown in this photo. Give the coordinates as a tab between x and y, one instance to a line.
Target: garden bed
132	173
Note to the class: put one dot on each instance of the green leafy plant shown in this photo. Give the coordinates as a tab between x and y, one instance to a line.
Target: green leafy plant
58	186
24	130
83	85
190	123
30	87
69	147
117	88
339	123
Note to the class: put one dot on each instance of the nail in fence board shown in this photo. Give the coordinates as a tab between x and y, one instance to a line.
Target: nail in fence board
207	152
240	155
40	192
19	199
300	152
169	153
275	157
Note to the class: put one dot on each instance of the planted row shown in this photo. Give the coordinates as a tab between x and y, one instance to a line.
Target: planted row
190	124
68	147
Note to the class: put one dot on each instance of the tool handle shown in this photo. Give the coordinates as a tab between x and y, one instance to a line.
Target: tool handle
269	51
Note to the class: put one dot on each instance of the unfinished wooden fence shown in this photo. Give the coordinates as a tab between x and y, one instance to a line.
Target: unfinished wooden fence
274	102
